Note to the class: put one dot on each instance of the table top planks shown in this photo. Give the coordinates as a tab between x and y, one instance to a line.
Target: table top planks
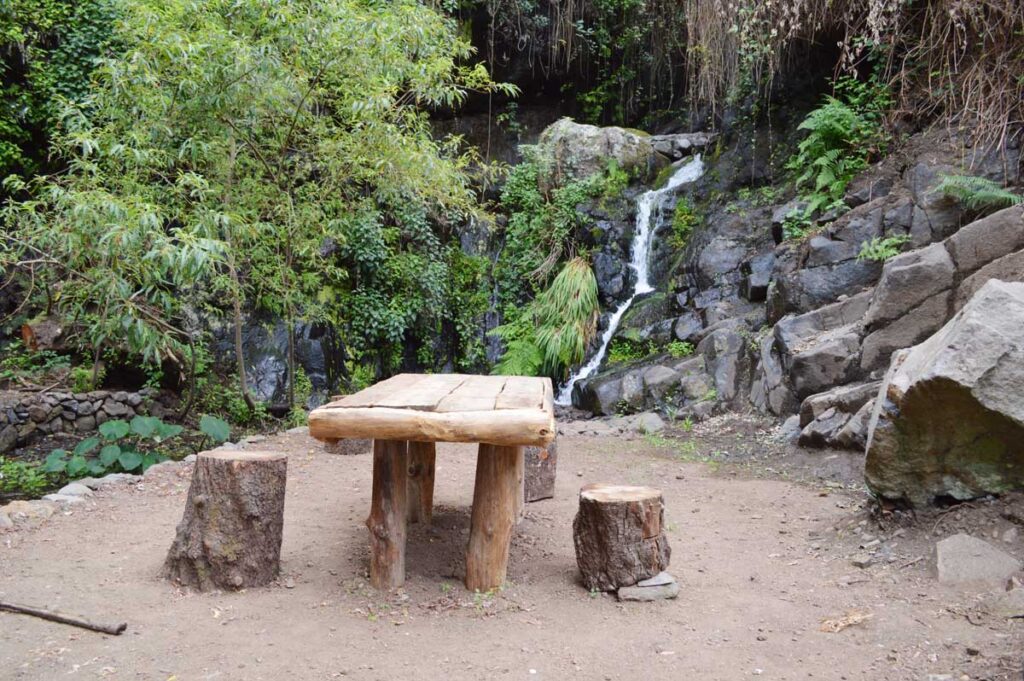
501	410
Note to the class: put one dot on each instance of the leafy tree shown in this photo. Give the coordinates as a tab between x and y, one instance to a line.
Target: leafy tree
254	154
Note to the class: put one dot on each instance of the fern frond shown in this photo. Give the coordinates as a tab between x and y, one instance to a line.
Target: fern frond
977	193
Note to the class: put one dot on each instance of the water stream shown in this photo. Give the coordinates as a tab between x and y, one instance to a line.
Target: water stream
648	219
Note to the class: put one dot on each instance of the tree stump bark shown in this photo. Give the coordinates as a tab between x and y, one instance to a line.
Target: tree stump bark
541	464
422	457
619	535
387	521
498	475
230	534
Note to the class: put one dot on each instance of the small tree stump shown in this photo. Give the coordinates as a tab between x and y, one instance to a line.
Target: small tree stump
541	464
230	534
619	535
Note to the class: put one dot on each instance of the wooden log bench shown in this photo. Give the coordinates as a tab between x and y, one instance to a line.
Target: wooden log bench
405	415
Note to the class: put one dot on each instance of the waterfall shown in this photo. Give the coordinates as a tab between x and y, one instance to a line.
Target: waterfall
648	211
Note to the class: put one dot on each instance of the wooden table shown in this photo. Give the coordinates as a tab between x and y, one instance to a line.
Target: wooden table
405	415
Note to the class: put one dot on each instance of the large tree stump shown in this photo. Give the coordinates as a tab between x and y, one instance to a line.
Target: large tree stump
619	535
541	464
497	497
422	456
230	534
387	521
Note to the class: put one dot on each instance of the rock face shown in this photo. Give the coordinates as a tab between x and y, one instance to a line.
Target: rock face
949	419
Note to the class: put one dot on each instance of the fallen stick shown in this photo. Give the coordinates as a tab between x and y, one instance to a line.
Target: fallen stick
114	629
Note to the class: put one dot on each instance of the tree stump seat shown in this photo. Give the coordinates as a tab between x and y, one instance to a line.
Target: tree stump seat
230	534
619	535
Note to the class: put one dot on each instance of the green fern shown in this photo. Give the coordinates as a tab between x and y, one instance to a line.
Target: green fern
880	250
977	193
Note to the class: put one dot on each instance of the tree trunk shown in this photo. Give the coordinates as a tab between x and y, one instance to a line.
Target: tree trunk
421	482
387	522
230	534
494	516
619	535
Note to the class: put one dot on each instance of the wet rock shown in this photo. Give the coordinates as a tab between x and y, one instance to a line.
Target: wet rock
963	558
600	395
799	290
949	421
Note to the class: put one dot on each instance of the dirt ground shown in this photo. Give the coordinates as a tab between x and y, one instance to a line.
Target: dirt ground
761	540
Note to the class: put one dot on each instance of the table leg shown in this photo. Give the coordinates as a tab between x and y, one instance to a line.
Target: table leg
520	502
421	482
494	516
387	519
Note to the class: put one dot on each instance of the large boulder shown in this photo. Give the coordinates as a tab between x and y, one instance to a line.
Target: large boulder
948	421
577	151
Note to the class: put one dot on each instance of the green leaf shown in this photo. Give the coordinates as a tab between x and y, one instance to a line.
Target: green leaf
109	454
216	429
129	460
77	466
96	467
165	431
56	462
150	458
85	446
144	426
114	430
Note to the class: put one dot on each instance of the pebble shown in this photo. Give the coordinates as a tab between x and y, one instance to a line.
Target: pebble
289	583
1010	536
863	560
5	521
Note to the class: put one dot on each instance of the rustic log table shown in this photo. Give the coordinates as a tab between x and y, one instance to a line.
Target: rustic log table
405	415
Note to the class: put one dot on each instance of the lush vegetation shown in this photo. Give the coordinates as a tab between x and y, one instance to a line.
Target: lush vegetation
238	158
843	135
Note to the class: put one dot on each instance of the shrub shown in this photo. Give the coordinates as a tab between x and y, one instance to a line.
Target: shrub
679	349
22	477
880	250
684	221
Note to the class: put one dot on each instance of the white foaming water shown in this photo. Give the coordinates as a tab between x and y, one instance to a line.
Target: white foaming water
648	210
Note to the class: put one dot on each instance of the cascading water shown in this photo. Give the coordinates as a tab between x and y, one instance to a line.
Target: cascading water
648	210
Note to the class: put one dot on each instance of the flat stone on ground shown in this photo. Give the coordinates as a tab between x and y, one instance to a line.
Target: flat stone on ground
75	489
963	558
660	591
